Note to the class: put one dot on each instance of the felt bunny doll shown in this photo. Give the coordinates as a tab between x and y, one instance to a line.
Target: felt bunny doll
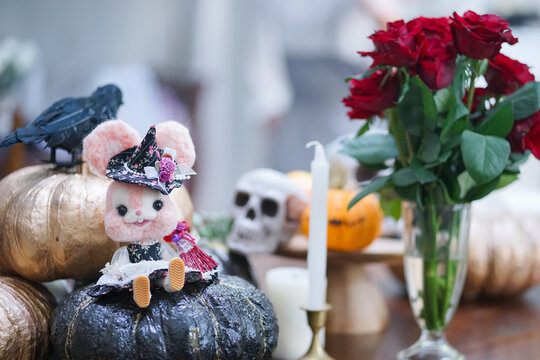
138	209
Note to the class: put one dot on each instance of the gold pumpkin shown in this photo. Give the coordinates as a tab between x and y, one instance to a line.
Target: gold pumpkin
24	325
51	223
504	255
349	230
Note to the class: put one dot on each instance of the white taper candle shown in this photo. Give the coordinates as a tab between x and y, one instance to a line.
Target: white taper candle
318	223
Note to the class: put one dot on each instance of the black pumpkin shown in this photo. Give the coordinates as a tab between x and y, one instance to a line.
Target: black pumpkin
229	319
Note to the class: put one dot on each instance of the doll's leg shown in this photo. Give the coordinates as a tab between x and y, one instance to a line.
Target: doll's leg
141	291
175	280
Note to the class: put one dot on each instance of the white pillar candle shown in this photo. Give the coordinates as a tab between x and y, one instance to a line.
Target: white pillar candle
318	223
287	289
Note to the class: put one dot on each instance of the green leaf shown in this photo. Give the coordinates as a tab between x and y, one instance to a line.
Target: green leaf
410	192
525	101
480	191
516	160
466	183
451	184
454	128
417	110
404	177
430	109
390	203
475	192
459	82
506	179
371	149
457	112
429	148
363	129
412	174
482	67
440	160
424	176
445	193
375	185
452	142
444	99
453	103
405	86
498	122
363	75
484	156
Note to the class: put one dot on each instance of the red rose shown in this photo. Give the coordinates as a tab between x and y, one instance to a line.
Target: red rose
434	29
370	96
505	75
480	36
437	59
436	67
526	135
397	46
531	141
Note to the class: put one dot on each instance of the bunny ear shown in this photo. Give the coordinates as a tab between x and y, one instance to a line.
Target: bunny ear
107	140
173	135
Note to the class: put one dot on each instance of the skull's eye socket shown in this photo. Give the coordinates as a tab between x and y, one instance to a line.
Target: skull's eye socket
157	205
269	207
241	198
122	210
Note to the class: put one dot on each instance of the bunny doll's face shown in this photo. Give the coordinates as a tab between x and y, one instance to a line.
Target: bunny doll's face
137	213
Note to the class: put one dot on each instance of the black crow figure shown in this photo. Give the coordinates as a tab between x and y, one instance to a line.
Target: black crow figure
66	122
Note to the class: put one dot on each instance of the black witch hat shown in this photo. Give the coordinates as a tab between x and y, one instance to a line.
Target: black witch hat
149	165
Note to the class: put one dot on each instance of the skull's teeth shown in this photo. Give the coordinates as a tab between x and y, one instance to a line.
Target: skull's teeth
244	233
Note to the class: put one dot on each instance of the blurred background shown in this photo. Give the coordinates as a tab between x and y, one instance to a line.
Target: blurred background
254	80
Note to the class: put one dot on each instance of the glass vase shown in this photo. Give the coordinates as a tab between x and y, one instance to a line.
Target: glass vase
435	260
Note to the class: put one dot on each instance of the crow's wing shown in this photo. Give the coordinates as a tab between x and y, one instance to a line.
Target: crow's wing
71	116
53	111
31	135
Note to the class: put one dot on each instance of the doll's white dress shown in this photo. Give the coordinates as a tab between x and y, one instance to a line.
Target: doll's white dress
131	261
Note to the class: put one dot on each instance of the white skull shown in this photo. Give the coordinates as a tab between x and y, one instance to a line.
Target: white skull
266	209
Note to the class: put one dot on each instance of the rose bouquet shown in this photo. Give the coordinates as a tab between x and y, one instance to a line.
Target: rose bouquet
448	143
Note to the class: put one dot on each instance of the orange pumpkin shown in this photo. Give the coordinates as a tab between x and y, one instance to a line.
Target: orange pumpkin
349	230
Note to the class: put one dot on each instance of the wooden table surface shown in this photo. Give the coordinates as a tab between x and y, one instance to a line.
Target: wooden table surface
491	330
487	330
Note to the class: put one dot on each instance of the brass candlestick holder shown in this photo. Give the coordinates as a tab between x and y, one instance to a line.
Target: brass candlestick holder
316	321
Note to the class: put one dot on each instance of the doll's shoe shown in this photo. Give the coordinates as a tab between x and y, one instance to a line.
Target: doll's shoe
177	274
141	291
